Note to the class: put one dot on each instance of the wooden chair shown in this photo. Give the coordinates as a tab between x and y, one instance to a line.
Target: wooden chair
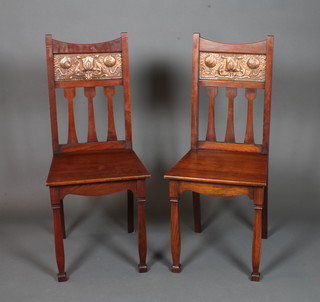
92	168
226	168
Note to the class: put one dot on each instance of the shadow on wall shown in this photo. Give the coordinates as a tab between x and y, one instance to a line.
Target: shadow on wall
24	127
159	86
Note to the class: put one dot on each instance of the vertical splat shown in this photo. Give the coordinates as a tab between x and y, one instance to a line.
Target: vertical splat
212	92
90	93
69	94
109	93
250	96
231	94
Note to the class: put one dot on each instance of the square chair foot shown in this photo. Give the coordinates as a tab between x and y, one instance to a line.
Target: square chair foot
142	268
176	268
255	277
62	277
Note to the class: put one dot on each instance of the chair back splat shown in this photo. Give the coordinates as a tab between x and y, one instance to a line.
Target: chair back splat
231	66
71	66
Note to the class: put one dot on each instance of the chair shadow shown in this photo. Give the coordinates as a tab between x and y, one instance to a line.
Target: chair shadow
83	255
237	262
117	211
113	212
90	207
295	246
157	255
225	205
33	259
274	228
123	254
228	204
24	253
223	249
243	216
207	241
101	240
220	208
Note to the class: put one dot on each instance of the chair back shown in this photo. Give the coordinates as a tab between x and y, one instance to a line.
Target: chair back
232	66
72	66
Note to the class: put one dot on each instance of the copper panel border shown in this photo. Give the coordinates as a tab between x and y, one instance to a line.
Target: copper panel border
226	66
94	66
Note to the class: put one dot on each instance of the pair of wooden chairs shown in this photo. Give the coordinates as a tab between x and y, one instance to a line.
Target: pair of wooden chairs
95	168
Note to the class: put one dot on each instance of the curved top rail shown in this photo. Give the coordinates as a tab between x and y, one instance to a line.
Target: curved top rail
60	47
249	48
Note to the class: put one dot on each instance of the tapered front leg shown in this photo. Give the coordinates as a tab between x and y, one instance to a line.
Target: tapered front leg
256	244
196	212
175	227
130	212
58	233
62	219
265	214
142	234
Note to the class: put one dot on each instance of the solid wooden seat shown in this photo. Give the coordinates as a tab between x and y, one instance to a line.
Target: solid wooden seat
96	166
221	167
226	168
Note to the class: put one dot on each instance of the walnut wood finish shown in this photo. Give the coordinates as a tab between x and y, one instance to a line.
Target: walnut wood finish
212	92
196	212
90	93
223	167
231	93
109	93
70	94
227	168
130	212
250	95
95	167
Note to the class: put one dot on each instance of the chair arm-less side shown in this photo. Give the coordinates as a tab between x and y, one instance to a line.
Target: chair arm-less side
93	167
226	168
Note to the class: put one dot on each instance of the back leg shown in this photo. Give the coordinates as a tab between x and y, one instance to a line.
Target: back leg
62	219
130	212
265	214
196	212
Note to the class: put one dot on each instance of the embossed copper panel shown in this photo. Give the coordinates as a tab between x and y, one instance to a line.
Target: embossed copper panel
226	66
75	67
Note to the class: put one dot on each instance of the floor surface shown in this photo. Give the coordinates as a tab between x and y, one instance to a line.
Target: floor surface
101	257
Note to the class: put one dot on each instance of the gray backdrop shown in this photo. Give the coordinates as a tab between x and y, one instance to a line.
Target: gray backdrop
101	257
